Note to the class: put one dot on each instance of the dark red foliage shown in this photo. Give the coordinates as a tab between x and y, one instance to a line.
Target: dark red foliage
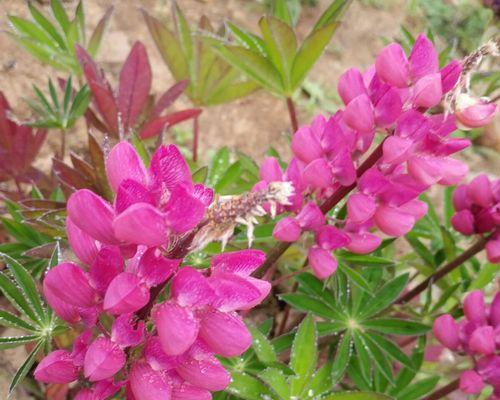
19	146
129	107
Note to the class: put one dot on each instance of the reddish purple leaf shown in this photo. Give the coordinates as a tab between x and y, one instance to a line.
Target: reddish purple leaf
169	97
155	126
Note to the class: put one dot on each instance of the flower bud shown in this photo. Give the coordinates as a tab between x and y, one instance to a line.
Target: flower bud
463	222
482	340
446	331
287	230
471	382
56	367
493	250
472	112
474	307
322	262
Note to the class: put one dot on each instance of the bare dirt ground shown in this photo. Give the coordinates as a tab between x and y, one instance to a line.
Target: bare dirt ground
250	125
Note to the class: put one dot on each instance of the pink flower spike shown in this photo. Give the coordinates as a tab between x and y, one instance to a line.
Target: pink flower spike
471	112
224	333
479	191
56	367
360	207
482	340
183	211
83	245
242	262
427	91
103	360
471	382
310	217
449	75
122	163
148	384
305	145
363	243
68	282
493	250
392	66
92	215
393	222
446	331
125	333
463	222
318	174
270	170
177	328
106	266
322	262
358	114
474	306
423	58
141	223
190	288
287	230
169	168
351	85
126	293
155	269
330	238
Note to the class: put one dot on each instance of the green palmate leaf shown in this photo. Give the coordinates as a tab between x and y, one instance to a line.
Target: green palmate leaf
26	284
321	381
10	320
218	166
277	381
333	13
46	25
394	326
183	32
247	39
422	250
384	297
486	275
282	12
16	297
231	92
60	15
230	176
308	303
362	355
330	328
364	260
342	357
80	17
97	35
309	52
304	355
418	389
356	278
15	341
25	367
392	350
281	45
200	175
356	396
380	360
247	387
31	30
262	346
449	210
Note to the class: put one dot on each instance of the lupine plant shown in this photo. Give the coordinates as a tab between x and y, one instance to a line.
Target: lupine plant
126	274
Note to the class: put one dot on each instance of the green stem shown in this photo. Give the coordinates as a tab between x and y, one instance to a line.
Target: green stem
196	128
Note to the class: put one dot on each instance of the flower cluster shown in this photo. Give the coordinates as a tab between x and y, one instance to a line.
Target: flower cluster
394	97
477	206
128	251
477	336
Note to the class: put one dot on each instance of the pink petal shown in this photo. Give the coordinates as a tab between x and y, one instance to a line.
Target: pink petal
155	269
310	217
242	262
423	58
203	194
190	288
427	91
449	75
360	207
495	309
396	149
92	215
358	114
225	333
446	331
388	108
183	211
318	174
482	340
123	163
479	191
156	357
125	332
322	262
232	292
416	208
169	168
287	230
103	360
474	306
68	282
264	287
471	382
106	266
177	328
141	223
475	113
56	367
305	145
372	182
62	309
186	391
351	85
270	170
148	384
363	243
454	171
392	66
83	245
125	294
426	170
393	222
330	238
132	192
460	198
463	222
493	251
80	347
343	167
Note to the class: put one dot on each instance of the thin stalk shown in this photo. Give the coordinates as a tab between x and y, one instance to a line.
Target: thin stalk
62	150
277	251
293	114
286	314
445	390
196	133
444	270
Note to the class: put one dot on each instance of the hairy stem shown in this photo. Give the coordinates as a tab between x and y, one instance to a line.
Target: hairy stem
293	114
196	128
444	270
445	390
277	251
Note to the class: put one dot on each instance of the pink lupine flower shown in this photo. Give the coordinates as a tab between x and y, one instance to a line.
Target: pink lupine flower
57	367
99	391
320	256
310	218
472	112
446	331
471	382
